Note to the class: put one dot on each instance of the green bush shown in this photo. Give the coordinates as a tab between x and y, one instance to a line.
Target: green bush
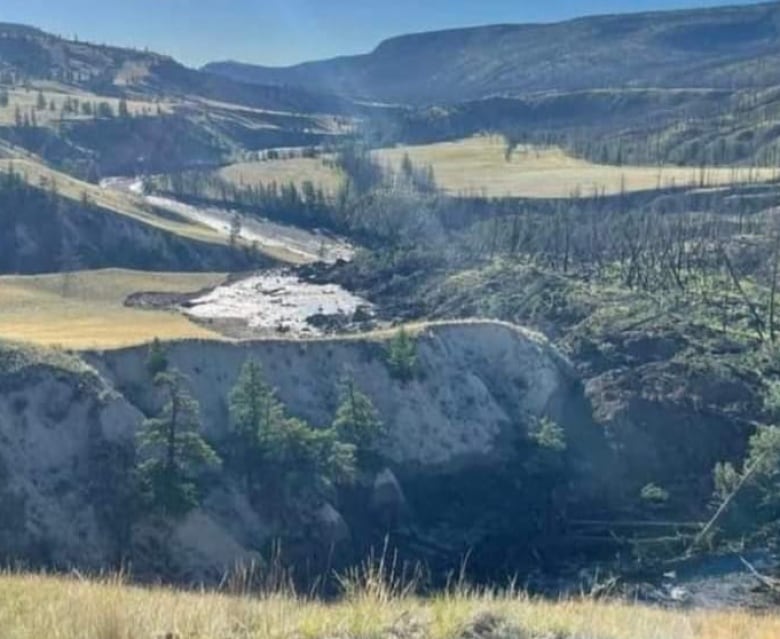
654	495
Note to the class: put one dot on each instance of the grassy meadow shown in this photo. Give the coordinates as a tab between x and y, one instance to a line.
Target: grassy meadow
34	607
85	309
479	166
284	171
26	100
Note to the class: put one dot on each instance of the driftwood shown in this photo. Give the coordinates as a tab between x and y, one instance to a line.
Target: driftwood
746	476
770	583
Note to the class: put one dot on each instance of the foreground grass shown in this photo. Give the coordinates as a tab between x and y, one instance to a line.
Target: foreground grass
86	309
479	166
33	607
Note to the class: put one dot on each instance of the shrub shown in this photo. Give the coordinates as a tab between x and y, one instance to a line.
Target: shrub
654	495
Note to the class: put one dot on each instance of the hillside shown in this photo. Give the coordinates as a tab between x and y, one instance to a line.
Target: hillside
30	54
501	304
728	47
97	111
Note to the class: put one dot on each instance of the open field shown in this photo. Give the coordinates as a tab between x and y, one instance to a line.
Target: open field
122	203
56	95
285	171
478	166
32	607
86	309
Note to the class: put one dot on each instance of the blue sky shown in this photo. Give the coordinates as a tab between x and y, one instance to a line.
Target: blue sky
279	32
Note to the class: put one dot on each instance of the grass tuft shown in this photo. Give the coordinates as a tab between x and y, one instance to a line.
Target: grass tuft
35	606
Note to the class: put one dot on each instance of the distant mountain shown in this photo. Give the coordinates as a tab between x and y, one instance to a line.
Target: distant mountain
725	47
27	53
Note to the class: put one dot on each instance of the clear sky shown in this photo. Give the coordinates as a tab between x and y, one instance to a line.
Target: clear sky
278	32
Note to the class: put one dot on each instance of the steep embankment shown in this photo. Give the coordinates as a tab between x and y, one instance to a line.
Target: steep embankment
455	436
54	223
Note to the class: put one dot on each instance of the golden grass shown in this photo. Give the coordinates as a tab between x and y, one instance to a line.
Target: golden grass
34	607
85	310
38	174
294	170
26	101
478	166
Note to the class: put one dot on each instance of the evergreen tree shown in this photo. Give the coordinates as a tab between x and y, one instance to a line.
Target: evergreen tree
157	359
257	417
174	448
235	230
283	454
40	103
104	110
402	356
4	97
356	421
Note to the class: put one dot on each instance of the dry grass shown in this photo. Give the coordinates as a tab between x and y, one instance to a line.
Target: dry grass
33	607
294	170
478	166
40	175
86	309
26	101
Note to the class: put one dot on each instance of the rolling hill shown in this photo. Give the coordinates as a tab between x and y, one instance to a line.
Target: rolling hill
722	47
28	54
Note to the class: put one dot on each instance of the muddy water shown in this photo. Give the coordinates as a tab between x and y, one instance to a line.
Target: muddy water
275	302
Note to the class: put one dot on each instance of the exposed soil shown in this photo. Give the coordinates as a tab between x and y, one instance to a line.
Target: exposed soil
304	246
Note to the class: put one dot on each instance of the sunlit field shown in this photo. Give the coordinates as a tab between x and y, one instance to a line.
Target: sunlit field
33	607
55	96
86	309
285	171
479	166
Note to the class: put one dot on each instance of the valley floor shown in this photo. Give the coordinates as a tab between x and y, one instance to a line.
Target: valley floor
86	309
32	607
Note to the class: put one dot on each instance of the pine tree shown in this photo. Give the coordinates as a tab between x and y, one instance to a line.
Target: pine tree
175	449
356	420
235	230
157	359
402	356
257	417
284	454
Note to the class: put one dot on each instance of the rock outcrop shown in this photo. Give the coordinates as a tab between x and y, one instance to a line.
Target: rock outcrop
477	389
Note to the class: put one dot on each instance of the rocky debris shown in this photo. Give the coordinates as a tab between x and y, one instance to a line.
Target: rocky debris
277	302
